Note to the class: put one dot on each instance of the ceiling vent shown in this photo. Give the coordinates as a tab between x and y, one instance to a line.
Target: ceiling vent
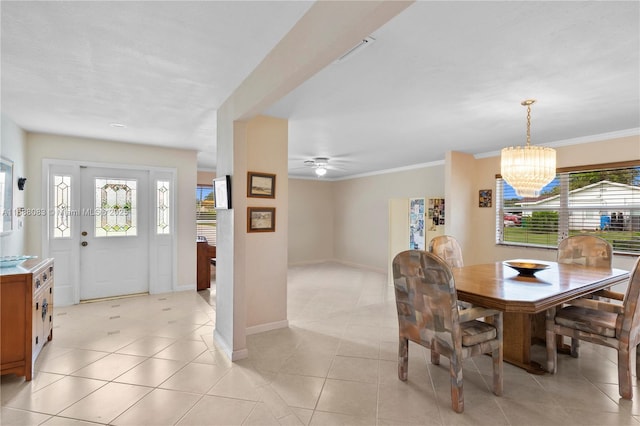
367	41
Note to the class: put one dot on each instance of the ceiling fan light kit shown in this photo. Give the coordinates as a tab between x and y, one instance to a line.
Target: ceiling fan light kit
528	168
320	164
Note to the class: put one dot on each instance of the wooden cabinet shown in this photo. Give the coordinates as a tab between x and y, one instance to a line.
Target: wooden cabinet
26	315
205	253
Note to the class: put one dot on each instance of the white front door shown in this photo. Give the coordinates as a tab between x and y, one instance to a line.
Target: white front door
114	229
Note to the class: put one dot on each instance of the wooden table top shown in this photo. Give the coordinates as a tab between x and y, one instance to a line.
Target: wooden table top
495	285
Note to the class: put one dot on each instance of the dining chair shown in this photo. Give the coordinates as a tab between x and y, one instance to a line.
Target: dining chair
587	250
603	323
428	315
448	249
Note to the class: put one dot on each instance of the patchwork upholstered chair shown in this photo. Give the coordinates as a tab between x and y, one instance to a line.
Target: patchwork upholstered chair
587	250
428	315
447	248
603	323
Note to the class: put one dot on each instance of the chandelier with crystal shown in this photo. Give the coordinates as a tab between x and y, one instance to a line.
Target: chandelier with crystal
528	168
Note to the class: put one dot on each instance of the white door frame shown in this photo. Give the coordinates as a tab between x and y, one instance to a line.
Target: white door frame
163	249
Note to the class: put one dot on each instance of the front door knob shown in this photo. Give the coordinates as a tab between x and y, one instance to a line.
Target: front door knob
84	244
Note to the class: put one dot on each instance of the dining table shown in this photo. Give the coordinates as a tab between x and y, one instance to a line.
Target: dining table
523	298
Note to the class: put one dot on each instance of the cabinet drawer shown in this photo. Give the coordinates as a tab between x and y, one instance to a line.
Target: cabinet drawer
41	278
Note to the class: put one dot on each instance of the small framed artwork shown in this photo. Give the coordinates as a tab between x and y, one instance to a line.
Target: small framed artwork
261	185
261	219
6	186
222	193
484	198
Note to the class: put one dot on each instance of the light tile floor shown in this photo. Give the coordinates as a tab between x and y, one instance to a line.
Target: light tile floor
151	360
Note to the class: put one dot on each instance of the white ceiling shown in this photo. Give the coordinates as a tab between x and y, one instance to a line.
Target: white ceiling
440	76
160	68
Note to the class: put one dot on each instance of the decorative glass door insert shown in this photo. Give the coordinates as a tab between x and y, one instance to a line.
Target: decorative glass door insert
115	207
163	205
62	205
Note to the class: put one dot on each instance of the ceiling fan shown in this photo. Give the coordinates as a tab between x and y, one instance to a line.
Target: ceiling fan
320	164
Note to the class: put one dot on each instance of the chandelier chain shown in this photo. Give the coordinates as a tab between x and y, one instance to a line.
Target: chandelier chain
528	124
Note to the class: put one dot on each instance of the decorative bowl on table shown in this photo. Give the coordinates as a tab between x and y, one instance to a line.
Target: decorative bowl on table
11	261
526	267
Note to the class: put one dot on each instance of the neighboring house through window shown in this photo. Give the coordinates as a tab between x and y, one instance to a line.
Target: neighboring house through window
205	214
596	200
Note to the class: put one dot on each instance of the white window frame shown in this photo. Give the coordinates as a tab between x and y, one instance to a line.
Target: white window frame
565	210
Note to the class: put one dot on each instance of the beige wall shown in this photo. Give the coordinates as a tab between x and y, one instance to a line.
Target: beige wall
43	146
361	212
266	252
460	200
310	221
13	147
205	177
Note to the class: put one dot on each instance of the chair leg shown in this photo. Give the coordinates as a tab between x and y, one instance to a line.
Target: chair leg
435	357
552	351
403	359
624	373
457	395
497	371
575	344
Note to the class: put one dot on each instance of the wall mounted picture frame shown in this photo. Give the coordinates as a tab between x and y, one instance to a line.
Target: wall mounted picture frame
416	224
484	198
261	185
435	213
261	219
6	200
222	192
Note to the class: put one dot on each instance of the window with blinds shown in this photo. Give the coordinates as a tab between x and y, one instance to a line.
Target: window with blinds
205	214
599	201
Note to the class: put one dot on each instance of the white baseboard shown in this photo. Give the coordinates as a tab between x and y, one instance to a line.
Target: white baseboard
311	262
184	287
226	349
359	266
266	327
342	262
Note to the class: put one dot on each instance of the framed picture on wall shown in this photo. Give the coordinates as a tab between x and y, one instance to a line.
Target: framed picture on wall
6	187
222	192
261	185
261	219
484	198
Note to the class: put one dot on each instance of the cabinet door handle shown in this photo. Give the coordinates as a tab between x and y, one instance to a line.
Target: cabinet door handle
45	304
37	306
